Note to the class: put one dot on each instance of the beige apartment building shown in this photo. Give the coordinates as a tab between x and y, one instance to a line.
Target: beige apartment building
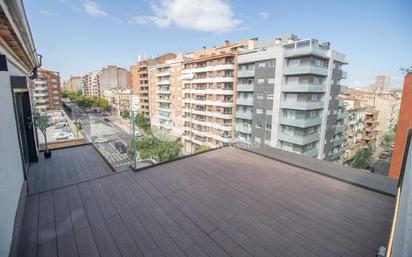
90	84
73	84
165	93
209	81
113	77
354	128
119	100
370	131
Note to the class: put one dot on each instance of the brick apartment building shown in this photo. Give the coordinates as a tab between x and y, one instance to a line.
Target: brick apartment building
404	123
45	90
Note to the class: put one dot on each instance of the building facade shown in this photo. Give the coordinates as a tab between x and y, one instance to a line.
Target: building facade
404	125
46	91
18	66
119	100
209	82
114	77
370	138
73	84
140	85
354	129
165	94
381	83
91	84
287	97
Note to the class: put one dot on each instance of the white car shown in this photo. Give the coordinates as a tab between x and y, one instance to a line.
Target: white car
101	140
63	135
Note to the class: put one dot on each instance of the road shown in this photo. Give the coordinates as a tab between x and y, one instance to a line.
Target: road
94	127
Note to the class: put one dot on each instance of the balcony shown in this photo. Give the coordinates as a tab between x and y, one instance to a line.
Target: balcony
311	153
298	139
337	154
227	66
245	73
245	87
244	115
247	129
163	82
173	207
305	69
244	101
341	115
301	123
338	141
308	50
303	88
340	129
301	105
344	74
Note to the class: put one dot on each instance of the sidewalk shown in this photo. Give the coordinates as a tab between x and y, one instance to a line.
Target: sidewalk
123	124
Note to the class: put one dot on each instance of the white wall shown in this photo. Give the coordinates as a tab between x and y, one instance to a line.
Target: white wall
11	169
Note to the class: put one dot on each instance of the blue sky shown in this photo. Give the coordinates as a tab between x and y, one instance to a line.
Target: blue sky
77	36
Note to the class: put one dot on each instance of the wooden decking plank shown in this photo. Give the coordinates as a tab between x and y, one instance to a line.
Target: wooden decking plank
66	241
28	243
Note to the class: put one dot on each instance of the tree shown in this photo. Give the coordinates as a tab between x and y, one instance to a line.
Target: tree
363	158
41	121
142	122
389	137
202	148
103	104
125	114
152	148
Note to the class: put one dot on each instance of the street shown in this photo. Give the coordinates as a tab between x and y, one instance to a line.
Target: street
93	127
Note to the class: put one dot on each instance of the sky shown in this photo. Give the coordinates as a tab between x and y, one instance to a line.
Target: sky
78	36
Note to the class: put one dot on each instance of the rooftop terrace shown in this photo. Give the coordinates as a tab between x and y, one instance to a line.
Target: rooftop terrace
225	202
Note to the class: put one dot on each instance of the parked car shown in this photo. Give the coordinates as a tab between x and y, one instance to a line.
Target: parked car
106	119
101	140
120	147
370	169
60	125
383	155
63	135
139	135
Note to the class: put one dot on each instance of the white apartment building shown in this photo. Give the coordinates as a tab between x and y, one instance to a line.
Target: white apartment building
91	85
287	97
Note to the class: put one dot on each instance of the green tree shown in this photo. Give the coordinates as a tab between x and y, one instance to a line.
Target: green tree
202	148
79	93
389	137
363	158
125	114
103	104
152	148
142	122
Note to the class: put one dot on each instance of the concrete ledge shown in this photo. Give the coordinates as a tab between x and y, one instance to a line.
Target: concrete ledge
370	181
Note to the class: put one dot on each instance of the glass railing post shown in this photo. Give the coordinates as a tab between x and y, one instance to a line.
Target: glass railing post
133	141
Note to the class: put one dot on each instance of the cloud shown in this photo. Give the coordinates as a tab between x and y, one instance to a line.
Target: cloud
201	15
93	9
48	13
264	15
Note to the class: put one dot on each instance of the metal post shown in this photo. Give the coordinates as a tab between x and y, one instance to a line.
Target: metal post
133	141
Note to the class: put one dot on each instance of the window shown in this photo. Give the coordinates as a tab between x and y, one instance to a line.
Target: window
260	96
259	111
268	126
312	114
294	62
259	125
269	112
316	80
315	97
270	96
311	130
261	65
261	81
272	64
271	81
257	139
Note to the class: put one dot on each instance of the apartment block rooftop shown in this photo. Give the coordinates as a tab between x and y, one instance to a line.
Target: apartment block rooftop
224	202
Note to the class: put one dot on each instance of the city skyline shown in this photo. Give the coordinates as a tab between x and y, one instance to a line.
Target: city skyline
124	35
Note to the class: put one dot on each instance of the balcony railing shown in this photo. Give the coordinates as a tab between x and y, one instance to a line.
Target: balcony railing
245	73
301	105
303	88
301	123
245	87
299	139
305	69
244	115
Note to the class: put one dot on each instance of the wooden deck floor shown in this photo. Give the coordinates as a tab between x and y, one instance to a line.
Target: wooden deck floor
226	202
66	166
